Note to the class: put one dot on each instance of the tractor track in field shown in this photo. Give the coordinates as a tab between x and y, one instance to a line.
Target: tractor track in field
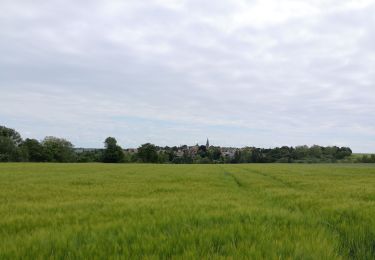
275	179
235	179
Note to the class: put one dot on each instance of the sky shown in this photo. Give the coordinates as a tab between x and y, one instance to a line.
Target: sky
242	73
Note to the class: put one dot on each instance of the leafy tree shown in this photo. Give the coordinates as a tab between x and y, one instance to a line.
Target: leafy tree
301	152
202	151
246	154
214	153
9	152
237	157
171	154
366	158
90	156
205	160
187	158
12	134
163	157
58	150
257	155
343	152
330	151
33	150
315	151
147	153
113	153
10	141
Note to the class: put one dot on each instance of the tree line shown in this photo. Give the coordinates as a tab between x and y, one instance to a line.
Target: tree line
366	158
52	149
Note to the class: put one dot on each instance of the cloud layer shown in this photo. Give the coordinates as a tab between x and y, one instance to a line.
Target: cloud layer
262	73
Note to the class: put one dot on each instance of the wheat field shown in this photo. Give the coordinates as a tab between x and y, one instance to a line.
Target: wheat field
150	211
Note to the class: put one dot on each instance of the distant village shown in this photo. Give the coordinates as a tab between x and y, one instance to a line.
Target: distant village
179	151
194	150
215	154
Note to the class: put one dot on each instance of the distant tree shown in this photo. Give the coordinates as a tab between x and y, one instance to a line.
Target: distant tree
9	152
204	160
330	151
202	151
90	156
171	155
343	152
315	151
147	153
10	140
366	158
237	157
257	155
214	153
246	154
33	150
163	157
113	153
12	134
187	157
301	152
286	154
58	150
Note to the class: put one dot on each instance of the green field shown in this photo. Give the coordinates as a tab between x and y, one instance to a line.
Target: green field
130	211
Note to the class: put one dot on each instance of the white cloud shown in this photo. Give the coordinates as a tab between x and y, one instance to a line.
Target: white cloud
272	72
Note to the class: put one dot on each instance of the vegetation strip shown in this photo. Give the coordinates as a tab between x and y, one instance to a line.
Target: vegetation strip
53	149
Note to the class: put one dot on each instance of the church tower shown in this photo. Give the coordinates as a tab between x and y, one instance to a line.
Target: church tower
207	144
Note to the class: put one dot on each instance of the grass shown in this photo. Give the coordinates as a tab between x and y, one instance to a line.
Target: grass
131	211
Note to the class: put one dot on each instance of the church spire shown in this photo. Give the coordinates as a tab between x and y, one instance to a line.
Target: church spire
207	143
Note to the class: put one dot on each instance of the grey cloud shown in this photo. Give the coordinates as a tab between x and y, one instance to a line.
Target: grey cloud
85	65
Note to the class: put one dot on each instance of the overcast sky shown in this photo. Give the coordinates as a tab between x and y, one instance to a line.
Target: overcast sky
260	73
